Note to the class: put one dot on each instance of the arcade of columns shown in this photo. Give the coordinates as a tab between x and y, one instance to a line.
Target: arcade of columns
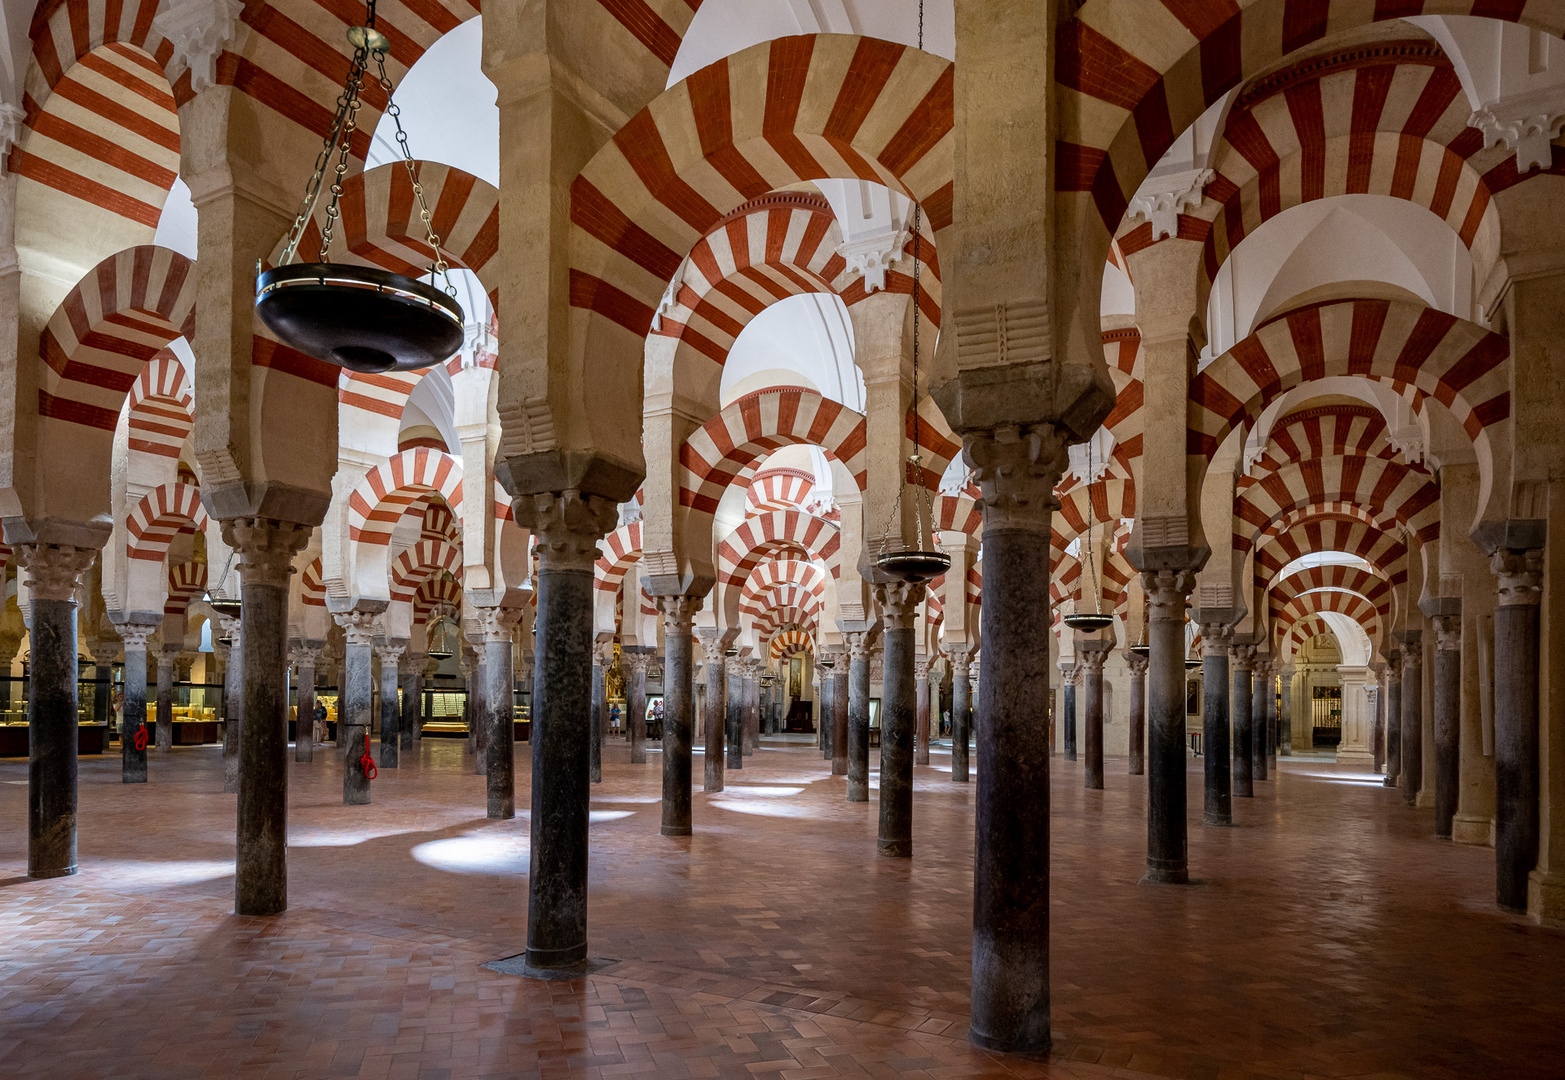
581	525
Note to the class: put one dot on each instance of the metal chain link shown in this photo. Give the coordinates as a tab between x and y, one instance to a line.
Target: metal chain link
394	111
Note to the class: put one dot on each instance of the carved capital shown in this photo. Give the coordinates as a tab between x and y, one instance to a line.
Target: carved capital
1137	663
1216	636
678	613
359	627
637	662
1168	593
858	644
265	548
390	652
1241	657
198	30
1520	574
54	571
972	671
304	655
231	627
496	623
960	657
135	635
1448	633
567	526
1016	469
1090	661
898	601
921	668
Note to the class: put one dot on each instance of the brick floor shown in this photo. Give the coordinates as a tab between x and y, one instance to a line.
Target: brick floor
1330	936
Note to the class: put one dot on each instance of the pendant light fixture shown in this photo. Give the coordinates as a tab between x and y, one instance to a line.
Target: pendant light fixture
1142	649
920	562
226	606
358	317
440	647
1090	621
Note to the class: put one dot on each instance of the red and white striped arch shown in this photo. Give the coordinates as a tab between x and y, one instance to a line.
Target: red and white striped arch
1303	606
1352	579
778	488
186	581
1391	490
792	643
780	532
162	409
752	427
162	514
437	589
775	573
1318	529
379	500
312	585
621	549
780	600
413	567
116	320
1302	632
959	513
1327	431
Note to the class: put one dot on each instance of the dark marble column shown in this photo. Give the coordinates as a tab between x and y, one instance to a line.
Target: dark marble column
604	653
1448	719
1272	735
1285	721
54	575
1378	739
1411	774
1091	656
468	665
1516	664
1394	720
303	657
898	602
636	661
716	706
1217	807
390	654
921	733
354	706
1138	665
1167	856
1260	687
165	735
961	712
497	702
568	527
411	678
133	762
841	712
477	695
825	701
265	548
858	715
1068	720
678	710
339	745
233	704
752	705
1243	664
733	712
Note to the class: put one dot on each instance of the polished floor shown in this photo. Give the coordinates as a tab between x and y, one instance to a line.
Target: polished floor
1330	935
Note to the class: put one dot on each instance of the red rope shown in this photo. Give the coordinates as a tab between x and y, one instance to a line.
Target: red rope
366	762
141	737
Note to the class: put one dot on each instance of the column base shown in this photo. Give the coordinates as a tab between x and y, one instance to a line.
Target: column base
1390	781
39	875
1546	898
1040	1045
1220	821
1471	829
1166	876
1426	799
895	849
676	830
1355	757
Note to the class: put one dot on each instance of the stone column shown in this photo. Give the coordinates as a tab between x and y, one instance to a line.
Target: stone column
1412	771
1167	857
733	713
714	650
233	704
412	679
678	710
603	655
567	528
1068	709
898	602
752	705
1378	742
1354	749
54	574
354	705
1243	663
1269	702
390	653
961	709
1516	618
1138	665
497	624
1090	656
265	548
921	734
636	704
303	657
133	762
1393	720
1260	686
468	664
858	715
1448	720
841	714
1217	808
1285	721
825	700
166	659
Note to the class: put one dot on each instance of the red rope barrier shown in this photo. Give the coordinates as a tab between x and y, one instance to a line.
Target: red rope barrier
141	737
366	762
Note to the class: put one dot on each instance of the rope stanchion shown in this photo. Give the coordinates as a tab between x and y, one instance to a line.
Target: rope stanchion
140	740
367	763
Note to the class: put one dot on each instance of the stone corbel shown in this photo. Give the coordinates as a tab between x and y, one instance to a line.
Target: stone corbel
1162	199
1525	125
873	255
198	30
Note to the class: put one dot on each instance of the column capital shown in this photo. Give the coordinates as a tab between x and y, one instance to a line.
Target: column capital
566	526
858	644
713	647
921	667
1216	635
1242	657
1520	574
899	600
972	670
496	624
960	655
265	547
1448	633
1168	593
1090	661
305	653
1137	663
135	635
358	627
678	612
390	651
603	653
636	660
1016	468
54	571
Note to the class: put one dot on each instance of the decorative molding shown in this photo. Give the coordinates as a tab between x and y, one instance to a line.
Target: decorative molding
198	30
1161	199
873	255
1530	134
1008	333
